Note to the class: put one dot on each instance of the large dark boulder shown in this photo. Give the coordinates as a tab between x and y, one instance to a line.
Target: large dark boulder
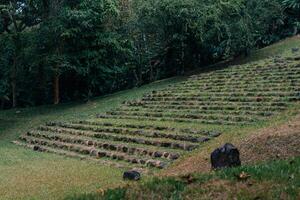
225	156
132	175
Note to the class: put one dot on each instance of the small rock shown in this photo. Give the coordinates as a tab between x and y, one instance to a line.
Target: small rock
173	156
90	143
142	161
101	154
125	149
36	148
225	156
157	154
93	152
294	50
132	175
160	165
203	139
214	134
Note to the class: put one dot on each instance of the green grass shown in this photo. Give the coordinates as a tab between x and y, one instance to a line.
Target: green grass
282	177
26	174
31	175
277	48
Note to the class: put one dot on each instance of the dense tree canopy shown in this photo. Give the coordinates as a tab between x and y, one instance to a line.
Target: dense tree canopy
57	50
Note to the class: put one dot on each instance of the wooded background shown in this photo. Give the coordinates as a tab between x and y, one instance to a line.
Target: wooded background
54	51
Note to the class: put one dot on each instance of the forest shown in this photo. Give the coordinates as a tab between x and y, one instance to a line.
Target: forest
55	51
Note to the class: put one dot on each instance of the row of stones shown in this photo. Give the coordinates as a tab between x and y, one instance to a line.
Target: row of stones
200	111
137	132
148	127
95	152
223	86
179	120
210	108
250	83
186	116
271	74
208	103
261	79
229	93
124	138
279	101
61	152
107	145
215	97
237	87
238	69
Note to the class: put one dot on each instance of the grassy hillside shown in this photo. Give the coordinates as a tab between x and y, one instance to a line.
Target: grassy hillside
272	180
32	175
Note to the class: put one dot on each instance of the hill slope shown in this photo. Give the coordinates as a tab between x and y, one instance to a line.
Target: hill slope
33	175
237	96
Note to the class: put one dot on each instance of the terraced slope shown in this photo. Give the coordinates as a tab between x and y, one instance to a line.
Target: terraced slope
238	95
141	145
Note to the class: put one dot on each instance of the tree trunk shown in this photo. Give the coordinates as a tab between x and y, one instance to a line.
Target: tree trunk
14	83
41	86
2	104
56	89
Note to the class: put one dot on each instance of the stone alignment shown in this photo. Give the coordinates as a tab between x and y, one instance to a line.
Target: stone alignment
237	95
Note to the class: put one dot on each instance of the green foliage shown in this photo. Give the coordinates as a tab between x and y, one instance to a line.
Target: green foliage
112	194
294	4
101	46
286	172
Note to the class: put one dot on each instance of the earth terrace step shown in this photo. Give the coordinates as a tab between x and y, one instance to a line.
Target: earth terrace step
251	69
229	88
199	111
257	67
232	94
268	83
242	83
222	98
221	94
239	118
41	148
94	152
239	87
187	146
211	108
107	145
256	89
252	75
257	79
252	78
179	120
144	133
151	128
207	103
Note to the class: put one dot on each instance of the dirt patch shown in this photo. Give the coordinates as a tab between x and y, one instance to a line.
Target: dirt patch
279	142
276	142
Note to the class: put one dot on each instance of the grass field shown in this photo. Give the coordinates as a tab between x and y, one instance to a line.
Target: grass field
31	175
26	174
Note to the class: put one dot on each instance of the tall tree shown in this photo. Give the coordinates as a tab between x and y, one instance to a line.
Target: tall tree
16	17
